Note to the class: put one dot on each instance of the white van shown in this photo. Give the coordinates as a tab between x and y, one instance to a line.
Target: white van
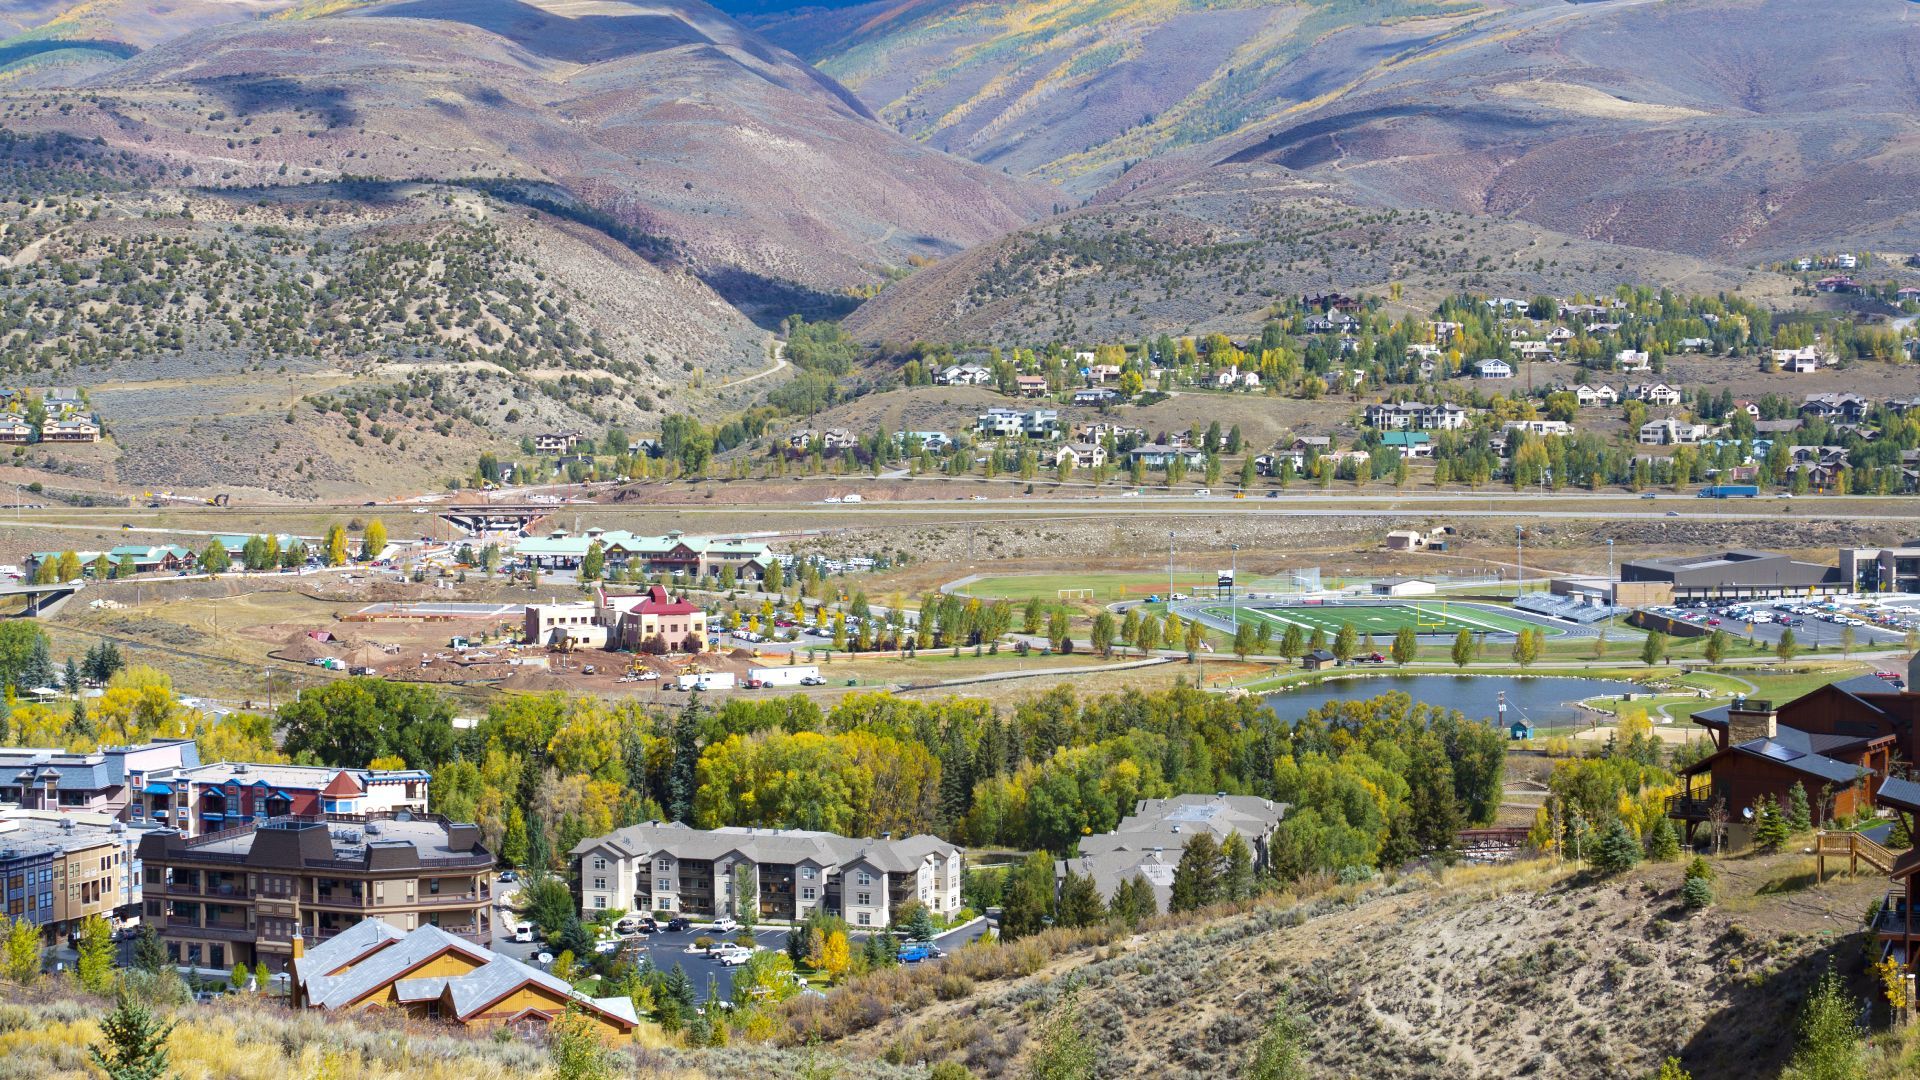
523	931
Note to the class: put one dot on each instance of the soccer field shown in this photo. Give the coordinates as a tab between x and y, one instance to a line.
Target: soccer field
1380	620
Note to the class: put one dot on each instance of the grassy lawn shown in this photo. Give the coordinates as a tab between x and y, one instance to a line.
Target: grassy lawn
1382	620
1105	586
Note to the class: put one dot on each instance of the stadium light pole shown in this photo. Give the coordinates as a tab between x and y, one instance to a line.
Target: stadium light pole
1233	587
1519	563
1169	571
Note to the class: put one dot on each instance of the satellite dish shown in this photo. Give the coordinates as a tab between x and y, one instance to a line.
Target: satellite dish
1747	813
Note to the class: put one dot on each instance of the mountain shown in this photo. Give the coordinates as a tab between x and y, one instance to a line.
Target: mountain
1213	251
1748	129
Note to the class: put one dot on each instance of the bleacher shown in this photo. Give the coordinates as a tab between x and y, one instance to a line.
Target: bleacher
1566	607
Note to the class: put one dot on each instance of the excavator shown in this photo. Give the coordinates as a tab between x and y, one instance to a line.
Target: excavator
156	499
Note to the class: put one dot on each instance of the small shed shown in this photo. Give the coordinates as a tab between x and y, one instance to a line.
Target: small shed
1317	659
1403	586
1519	729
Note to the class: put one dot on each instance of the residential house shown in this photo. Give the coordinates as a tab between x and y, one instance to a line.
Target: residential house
1030	385
1006	423
246	895
1539	427
964	375
557	442
1840	407
1096	395
15	429
1800	361
1158	455
1534	350
1083	455
668	866
1411	444
1559	335
76	429
427	974
1745	405
1632	360
934	441
1101	374
828	442
1493	369
1670	431
1150	842
1595	397
1301	450
1659	394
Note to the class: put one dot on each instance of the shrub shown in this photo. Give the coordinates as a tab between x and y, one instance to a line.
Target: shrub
1617	850
1696	893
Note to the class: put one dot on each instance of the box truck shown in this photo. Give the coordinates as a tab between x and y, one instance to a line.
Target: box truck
792	675
708	680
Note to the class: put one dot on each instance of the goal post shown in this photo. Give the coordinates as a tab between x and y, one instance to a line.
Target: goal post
1073	594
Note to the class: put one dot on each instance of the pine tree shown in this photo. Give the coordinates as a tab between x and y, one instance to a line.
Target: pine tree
149	951
1696	893
134	1045
1769	825
1617	851
1080	902
1902	834
1787	646
1799	814
1029	896
513	846
1236	875
1133	901
1196	881
1664	844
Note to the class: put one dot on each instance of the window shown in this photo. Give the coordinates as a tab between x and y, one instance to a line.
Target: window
663	865
864	878
807	872
600	902
600	883
806	893
866	919
599	863
864	899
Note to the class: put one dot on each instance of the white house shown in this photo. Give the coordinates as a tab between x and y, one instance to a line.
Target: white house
1633	360
964	375
1595	397
1655	394
1797	360
1539	427
1670	431
1493	369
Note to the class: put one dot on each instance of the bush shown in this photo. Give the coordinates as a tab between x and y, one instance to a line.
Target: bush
1617	850
1696	893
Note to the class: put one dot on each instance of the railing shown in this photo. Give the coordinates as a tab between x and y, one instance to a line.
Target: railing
1893	921
183	920
1687	808
1854	847
451	898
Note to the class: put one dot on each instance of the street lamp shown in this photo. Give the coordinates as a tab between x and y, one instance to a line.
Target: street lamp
1169	570
1233	587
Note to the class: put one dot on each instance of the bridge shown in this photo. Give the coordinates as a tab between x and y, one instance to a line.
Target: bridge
42	599
476	518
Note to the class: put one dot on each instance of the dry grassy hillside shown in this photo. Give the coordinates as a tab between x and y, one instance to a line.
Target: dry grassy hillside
1502	972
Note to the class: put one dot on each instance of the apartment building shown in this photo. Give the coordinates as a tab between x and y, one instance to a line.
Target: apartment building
56	869
668	866
94	782
242	894
1148	842
209	798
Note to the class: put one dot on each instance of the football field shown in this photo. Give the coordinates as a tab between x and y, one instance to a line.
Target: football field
1380	620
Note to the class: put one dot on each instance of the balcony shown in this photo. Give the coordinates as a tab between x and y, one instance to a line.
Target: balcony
1892	920
450	899
1690	807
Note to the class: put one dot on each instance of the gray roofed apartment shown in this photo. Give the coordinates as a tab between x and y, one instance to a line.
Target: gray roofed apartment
1149	841
672	867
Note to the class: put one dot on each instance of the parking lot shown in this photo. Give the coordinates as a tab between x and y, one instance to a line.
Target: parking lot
665	949
1814	621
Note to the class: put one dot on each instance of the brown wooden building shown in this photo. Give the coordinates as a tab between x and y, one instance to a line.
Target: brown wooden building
237	896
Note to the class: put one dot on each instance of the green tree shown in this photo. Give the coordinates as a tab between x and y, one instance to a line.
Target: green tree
1696	893
1029	897
593	565
1526	647
133	1043
95	945
746	895
1654	650
1787	646
1769	824
513	846
215	560
1031	615
1080	902
1799	814
1101	636
1406	645
1062	1049
1716	646
1147	638
1617	850
1292	642
1829	1046
149	951
1671	1069
1463	648
1196	881
1242	640
1133	901
1236	868
350	722
1344	641
373	540
1663	843
575	1050
1277	1055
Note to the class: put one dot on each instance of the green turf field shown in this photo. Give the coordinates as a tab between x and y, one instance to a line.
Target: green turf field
1380	620
1106	587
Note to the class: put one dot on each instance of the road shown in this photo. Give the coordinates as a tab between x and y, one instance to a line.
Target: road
779	364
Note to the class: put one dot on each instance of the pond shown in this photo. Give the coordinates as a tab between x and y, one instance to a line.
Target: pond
1546	701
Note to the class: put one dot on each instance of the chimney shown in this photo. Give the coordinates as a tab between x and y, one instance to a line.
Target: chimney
299	943
1750	719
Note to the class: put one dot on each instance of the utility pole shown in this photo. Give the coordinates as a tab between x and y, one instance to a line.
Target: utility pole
1169	570
1233	589
1519	564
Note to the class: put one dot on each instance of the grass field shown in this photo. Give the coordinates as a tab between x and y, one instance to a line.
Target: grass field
1381	620
1106	586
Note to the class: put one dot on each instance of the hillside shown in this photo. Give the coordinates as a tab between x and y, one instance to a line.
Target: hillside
1496	972
1214	251
1716	129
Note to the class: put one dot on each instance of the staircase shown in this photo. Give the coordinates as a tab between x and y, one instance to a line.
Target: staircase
1857	849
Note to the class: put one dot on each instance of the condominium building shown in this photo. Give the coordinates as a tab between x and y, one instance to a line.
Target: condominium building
1148	843
209	798
668	866
95	781
238	895
56	869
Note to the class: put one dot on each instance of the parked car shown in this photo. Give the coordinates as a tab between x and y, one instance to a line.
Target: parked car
678	923
725	924
733	955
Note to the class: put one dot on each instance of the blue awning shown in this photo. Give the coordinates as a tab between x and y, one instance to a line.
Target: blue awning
158	789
